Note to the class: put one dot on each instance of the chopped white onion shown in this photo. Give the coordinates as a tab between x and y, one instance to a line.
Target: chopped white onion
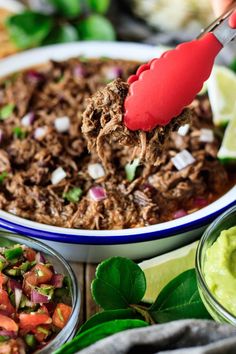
40	132
97	193
18	295
96	170
28	119
113	73
62	124
183	130
58	175
206	135
182	159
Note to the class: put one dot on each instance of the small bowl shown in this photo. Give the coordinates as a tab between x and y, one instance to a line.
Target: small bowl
216	309
61	266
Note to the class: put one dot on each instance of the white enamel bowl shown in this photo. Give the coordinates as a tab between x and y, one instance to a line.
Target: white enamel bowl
93	246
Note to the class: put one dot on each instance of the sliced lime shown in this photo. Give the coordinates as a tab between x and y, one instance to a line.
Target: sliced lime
227	152
161	269
221	88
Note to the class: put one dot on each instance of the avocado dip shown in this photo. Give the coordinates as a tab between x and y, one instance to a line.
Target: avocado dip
220	269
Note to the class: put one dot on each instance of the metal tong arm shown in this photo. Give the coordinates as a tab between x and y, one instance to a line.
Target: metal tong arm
221	29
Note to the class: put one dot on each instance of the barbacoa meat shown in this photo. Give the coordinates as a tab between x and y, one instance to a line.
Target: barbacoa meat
153	195
103	127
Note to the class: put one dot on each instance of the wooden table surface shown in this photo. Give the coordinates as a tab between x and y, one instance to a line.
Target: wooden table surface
85	274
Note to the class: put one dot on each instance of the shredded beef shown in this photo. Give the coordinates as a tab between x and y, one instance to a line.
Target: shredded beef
157	190
103	126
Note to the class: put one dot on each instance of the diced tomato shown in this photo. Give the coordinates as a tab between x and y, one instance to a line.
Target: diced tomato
30	254
43	273
30	281
8	324
5	304
41	332
43	309
3	279
32	320
61	315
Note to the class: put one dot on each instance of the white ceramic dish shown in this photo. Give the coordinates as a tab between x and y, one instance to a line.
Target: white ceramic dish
93	246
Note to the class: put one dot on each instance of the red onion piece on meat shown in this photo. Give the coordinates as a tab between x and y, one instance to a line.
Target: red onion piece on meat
113	73
57	280
40	258
97	193
200	202
35	76
18	296
179	214
38	298
28	119
79	72
9	334
13	284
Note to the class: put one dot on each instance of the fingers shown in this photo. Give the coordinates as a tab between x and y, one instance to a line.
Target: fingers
220	6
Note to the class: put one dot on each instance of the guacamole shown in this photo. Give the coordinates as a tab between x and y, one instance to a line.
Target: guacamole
220	269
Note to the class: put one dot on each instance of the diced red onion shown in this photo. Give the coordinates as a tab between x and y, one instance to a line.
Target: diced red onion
183	130
200	202
96	170
57	280
179	214
113	73
1	136
40	258
58	175
62	124
28	119
183	159
97	193
79	71
38	298
40	132
34	76
18	295
14	284
10	334
206	135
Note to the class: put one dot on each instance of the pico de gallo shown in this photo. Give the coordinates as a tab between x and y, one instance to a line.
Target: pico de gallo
35	301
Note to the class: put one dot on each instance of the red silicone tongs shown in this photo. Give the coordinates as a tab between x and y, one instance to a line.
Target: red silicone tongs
162	88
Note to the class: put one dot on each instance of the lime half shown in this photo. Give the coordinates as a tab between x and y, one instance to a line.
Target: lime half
221	88
227	152
160	270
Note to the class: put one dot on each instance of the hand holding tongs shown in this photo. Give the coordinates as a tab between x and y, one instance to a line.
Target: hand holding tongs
162	88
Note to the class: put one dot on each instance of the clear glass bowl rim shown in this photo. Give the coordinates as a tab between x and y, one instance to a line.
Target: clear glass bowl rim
200	276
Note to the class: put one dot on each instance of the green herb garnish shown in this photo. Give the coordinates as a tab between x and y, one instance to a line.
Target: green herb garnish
3	175
6	111
73	195
19	133
130	169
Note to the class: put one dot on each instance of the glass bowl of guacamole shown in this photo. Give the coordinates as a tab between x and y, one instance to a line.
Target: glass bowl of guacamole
216	267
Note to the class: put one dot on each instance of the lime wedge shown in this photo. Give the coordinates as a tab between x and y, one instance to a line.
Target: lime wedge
161	269
221	88
227	152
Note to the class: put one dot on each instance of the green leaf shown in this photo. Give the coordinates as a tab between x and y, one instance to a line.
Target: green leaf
118	283
96	27
73	195
179	299
6	111
63	34
233	65
109	315
99	6
67	8
130	169
28	29
3	175
19	133
98	332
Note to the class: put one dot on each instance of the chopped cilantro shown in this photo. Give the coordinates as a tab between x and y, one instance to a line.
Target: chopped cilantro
19	133
73	195
3	175
130	169
6	111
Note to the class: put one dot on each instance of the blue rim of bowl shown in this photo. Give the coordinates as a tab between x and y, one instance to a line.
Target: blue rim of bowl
112	240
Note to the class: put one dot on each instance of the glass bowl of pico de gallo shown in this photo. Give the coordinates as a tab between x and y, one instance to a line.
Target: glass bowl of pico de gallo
39	297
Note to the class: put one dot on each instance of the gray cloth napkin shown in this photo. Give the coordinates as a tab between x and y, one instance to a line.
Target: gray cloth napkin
178	337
